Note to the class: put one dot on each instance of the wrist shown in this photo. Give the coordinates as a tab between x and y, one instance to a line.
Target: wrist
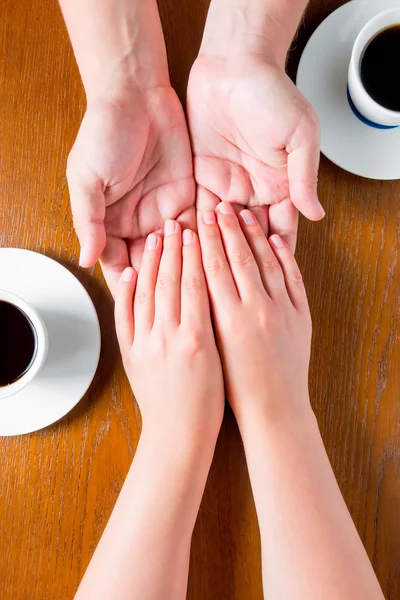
129	74
273	418
117	44
182	448
252	27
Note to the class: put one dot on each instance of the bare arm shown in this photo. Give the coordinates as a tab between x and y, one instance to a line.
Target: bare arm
116	43
310	546
170	356
311	549
255	138
252	26
144	551
131	166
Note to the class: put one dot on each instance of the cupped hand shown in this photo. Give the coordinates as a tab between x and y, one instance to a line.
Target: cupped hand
255	140
129	170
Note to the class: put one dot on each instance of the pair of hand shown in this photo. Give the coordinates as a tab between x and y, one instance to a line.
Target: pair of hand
255	142
261	347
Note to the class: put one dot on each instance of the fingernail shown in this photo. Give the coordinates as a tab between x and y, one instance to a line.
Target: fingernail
170	227
151	242
83	258
128	275
277	241
225	208
209	217
248	217
188	237
321	207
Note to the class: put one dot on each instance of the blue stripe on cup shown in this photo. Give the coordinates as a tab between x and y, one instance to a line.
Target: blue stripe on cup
361	118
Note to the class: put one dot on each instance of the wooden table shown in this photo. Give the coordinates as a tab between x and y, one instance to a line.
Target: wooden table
58	486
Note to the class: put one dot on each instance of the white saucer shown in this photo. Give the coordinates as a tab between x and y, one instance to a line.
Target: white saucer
322	78
74	340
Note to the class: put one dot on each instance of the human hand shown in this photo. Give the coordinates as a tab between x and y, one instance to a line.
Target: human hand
167	342
129	170
261	316
255	139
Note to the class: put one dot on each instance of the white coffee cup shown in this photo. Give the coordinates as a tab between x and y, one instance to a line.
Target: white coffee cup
42	344
367	107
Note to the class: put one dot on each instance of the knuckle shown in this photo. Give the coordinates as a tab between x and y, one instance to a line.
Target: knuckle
215	266
296	278
166	281
160	346
193	341
142	297
243	258
268	322
121	317
269	264
192	283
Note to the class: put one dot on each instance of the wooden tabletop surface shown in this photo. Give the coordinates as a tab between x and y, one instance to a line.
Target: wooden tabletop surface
58	486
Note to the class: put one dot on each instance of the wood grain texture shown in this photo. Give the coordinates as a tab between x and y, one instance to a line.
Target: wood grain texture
58	486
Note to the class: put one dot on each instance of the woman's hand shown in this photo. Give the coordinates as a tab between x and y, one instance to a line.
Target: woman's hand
167	342
261	316
310	547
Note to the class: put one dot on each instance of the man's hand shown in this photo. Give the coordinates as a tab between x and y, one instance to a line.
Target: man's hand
255	139
131	166
129	170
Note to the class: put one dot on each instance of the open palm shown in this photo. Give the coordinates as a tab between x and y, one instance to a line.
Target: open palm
255	140
129	170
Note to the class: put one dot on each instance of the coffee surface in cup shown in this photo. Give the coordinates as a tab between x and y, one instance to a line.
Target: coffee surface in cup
18	343
379	68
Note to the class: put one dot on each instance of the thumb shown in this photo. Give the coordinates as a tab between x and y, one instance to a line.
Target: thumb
303	161
88	211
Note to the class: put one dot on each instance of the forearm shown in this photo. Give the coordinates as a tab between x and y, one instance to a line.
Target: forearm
144	551
310	546
116	42
252	26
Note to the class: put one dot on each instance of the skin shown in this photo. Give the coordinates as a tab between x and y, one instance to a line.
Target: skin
255	138
124	172
310	547
170	357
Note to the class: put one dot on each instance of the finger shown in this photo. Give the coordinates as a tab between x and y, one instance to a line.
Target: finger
205	200
220	283
303	161
144	307
261	213
168	288
114	260
245	271
293	278
268	265
88	211
195	306
123	311
135	250
187	219
283	221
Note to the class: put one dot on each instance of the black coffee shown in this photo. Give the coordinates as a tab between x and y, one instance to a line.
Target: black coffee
380	68
17	343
